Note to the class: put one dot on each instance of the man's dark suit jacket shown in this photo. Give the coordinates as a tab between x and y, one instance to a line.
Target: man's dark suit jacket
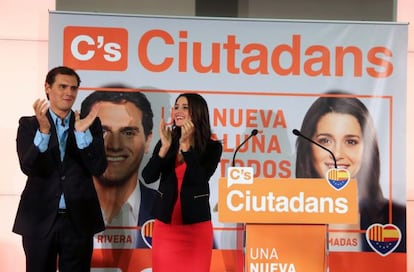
48	177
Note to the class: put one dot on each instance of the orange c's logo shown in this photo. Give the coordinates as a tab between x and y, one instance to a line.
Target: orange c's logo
95	48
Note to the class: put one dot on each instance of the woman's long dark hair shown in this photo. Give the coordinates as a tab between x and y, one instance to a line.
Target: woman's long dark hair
198	110
369	188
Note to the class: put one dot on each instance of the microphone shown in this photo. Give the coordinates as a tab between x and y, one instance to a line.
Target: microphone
298	133
253	133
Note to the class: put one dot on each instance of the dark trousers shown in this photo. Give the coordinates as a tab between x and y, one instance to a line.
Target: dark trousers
63	247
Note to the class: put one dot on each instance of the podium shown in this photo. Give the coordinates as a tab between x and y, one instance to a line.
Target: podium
286	220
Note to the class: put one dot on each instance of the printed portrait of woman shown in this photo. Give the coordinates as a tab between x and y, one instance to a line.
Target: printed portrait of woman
342	124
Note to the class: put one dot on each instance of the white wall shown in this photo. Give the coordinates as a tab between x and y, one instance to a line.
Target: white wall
23	65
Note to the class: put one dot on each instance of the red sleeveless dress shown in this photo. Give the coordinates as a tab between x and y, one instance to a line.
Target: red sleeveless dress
181	248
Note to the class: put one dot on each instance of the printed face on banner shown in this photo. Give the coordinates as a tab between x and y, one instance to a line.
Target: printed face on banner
342	134
125	141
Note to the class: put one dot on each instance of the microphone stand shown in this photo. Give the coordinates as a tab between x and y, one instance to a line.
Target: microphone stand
253	133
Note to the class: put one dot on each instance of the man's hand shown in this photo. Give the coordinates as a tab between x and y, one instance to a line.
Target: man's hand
40	107
82	125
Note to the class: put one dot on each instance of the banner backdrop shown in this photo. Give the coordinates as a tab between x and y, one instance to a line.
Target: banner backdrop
264	75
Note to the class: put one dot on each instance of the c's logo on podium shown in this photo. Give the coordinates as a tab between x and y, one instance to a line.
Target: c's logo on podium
239	175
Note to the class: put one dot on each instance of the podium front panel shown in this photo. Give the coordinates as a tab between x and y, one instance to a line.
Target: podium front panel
286	247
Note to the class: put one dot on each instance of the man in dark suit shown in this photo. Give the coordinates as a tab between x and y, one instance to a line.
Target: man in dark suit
59	211
127	122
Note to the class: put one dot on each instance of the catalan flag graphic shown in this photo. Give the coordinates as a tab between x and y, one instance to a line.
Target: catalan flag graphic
383	238
147	232
338	178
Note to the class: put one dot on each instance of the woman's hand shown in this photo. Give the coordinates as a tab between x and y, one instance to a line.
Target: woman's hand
187	132
165	137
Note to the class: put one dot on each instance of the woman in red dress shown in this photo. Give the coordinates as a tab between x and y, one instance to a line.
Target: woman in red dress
184	159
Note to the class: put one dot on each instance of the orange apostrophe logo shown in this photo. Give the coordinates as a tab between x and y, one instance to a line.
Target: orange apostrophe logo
95	48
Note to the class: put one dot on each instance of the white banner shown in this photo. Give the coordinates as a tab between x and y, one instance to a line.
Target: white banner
264	75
